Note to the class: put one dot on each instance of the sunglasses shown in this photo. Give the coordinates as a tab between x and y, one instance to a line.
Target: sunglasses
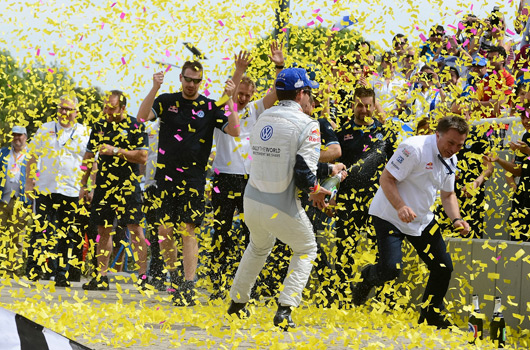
65	109
189	80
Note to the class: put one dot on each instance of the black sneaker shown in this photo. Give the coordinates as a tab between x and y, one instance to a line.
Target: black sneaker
97	283
360	293
238	309
435	319
185	296
159	284
142	282
283	318
62	282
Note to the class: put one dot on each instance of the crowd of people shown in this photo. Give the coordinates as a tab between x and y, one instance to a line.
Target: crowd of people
397	130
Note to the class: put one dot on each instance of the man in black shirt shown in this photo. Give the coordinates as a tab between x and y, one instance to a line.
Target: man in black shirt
187	123
122	145
366	147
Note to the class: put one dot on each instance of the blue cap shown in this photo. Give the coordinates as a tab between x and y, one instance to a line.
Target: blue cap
293	79
19	130
479	61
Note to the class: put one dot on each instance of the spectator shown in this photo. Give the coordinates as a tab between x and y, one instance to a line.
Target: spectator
519	166
427	94
522	26
232	165
424	127
60	146
388	87
436	37
493	34
400	43
272	209
366	145
13	215
188	119
122	144
420	167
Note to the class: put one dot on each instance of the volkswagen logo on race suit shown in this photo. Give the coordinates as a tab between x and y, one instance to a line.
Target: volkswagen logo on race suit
266	133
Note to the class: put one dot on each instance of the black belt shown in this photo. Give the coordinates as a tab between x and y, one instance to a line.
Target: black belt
235	176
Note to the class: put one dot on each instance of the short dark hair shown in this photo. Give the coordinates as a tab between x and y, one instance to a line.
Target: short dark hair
286	94
435	29
122	100
361	91
454	122
195	65
498	49
396	37
388	56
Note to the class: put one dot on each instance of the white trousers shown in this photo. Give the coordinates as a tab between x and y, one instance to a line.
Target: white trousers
267	223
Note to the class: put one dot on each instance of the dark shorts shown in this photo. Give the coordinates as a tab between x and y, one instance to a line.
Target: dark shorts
181	205
125	207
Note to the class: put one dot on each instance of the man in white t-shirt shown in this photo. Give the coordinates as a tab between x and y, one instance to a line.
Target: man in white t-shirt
420	167
60	146
231	169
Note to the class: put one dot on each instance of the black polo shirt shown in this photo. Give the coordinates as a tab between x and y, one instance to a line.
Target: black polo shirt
185	138
369	147
470	158
327	134
115	172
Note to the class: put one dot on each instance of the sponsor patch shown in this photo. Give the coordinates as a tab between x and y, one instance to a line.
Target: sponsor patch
394	165
348	137
266	133
400	159
428	166
173	109
200	114
406	152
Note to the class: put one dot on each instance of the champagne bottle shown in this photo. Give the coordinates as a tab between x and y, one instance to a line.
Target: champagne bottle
332	184
475	323
497	325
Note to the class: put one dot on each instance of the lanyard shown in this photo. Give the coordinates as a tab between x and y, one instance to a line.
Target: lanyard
71	135
449	169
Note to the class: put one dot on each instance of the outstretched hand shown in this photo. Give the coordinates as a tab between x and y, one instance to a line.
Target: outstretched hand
276	55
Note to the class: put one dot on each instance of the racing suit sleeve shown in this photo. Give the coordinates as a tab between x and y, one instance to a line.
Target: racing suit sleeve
305	168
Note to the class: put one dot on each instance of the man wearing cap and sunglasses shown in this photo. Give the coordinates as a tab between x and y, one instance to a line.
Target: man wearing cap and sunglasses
285	151
60	145
12	197
187	123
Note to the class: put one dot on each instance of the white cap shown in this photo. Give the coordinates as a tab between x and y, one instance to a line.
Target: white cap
17	129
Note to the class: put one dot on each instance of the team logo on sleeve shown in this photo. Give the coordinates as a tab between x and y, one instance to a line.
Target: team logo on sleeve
429	166
314	136
406	152
379	136
266	133
400	159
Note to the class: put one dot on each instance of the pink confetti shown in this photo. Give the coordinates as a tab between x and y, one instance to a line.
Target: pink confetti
122	16
161	322
459	12
335	29
225	40
168	178
235	107
178	137
320	19
147	242
461	26
161	151
179	169
365	148
474	31
168	68
448	45
416	27
38	52
237	126
471	8
221	23
97	238
519	107
144	9
216	171
226	58
451	26
216	189
113	5
249	157
510	32
250	34
102	25
168	53
209	106
51	53
311	23
316	11
123	60
206	92
465	42
423	38
284	30
81	38
38	174
83	167
490	131
50	70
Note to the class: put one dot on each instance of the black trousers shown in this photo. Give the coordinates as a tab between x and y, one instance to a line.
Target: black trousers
156	264
227	245
56	233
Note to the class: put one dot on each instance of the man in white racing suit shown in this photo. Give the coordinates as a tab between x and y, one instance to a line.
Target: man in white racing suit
285	150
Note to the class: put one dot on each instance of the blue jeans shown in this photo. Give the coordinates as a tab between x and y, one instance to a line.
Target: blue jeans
438	260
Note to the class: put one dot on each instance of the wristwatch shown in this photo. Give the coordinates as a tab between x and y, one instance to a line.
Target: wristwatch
115	151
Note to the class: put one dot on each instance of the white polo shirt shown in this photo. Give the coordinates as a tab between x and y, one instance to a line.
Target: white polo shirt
387	94
420	174
233	154
61	152
152	128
